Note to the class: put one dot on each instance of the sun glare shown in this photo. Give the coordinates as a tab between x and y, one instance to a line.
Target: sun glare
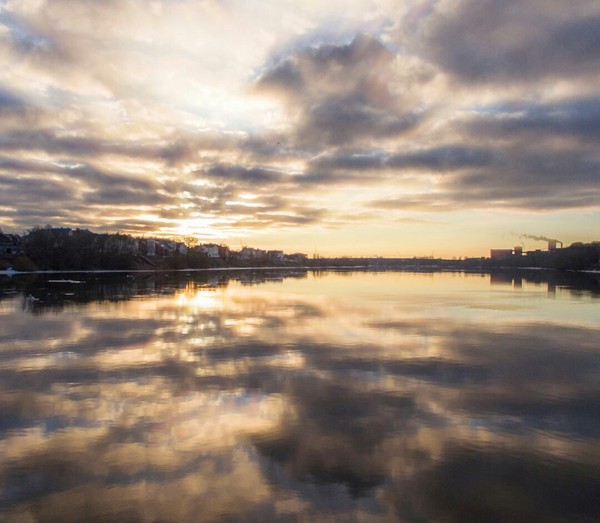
197	300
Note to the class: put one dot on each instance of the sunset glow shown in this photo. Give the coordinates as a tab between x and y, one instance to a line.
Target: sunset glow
347	127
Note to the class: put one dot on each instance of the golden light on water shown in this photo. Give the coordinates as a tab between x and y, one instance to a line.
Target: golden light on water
194	300
194	397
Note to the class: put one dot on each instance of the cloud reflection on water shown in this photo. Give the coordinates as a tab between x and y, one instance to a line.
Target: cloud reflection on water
371	397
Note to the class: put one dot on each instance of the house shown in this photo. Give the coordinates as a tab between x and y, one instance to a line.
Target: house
276	255
122	244
248	253
150	247
210	249
172	247
297	257
10	244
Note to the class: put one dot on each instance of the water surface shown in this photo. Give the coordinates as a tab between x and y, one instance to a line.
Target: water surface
269	396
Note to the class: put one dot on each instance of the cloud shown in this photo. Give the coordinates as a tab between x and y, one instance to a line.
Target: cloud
284	78
341	94
239	173
70	190
352	161
444	158
538	180
577	119
512	41
188	114
10	103
436	159
510	175
338	121
169	149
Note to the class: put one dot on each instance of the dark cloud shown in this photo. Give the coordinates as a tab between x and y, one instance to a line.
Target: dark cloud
283	78
291	216
490	197
68	189
36	174
325	177
576	118
125	196
538	180
341	94
342	121
22	165
436	159
511	176
298	74
171	150
10	103
239	173
270	185
487	41
306	216
350	161
446	158
101	179
32	190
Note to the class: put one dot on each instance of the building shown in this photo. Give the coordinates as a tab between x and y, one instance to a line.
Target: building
119	243
248	253
552	245
297	257
500	254
210	249
276	255
224	251
10	244
151	248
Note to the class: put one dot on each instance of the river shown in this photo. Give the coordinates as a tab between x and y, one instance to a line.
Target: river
300	396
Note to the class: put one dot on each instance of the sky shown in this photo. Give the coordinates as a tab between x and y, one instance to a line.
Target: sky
346	127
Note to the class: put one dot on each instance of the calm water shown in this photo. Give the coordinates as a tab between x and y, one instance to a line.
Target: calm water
305	397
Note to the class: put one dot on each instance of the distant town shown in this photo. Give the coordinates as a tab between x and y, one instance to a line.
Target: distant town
64	248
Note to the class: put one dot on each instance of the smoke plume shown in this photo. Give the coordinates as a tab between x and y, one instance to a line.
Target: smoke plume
539	238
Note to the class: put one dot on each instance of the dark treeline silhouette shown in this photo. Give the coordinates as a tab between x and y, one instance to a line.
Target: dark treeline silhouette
49	248
577	257
63	249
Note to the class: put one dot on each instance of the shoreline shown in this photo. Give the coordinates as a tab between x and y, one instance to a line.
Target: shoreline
11	272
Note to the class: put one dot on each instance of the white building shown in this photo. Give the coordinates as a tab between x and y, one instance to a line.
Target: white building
211	250
151	248
248	253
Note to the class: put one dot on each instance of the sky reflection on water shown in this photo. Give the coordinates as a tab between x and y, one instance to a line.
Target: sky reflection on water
350	397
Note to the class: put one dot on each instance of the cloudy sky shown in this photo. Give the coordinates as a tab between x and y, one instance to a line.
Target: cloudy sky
358	127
